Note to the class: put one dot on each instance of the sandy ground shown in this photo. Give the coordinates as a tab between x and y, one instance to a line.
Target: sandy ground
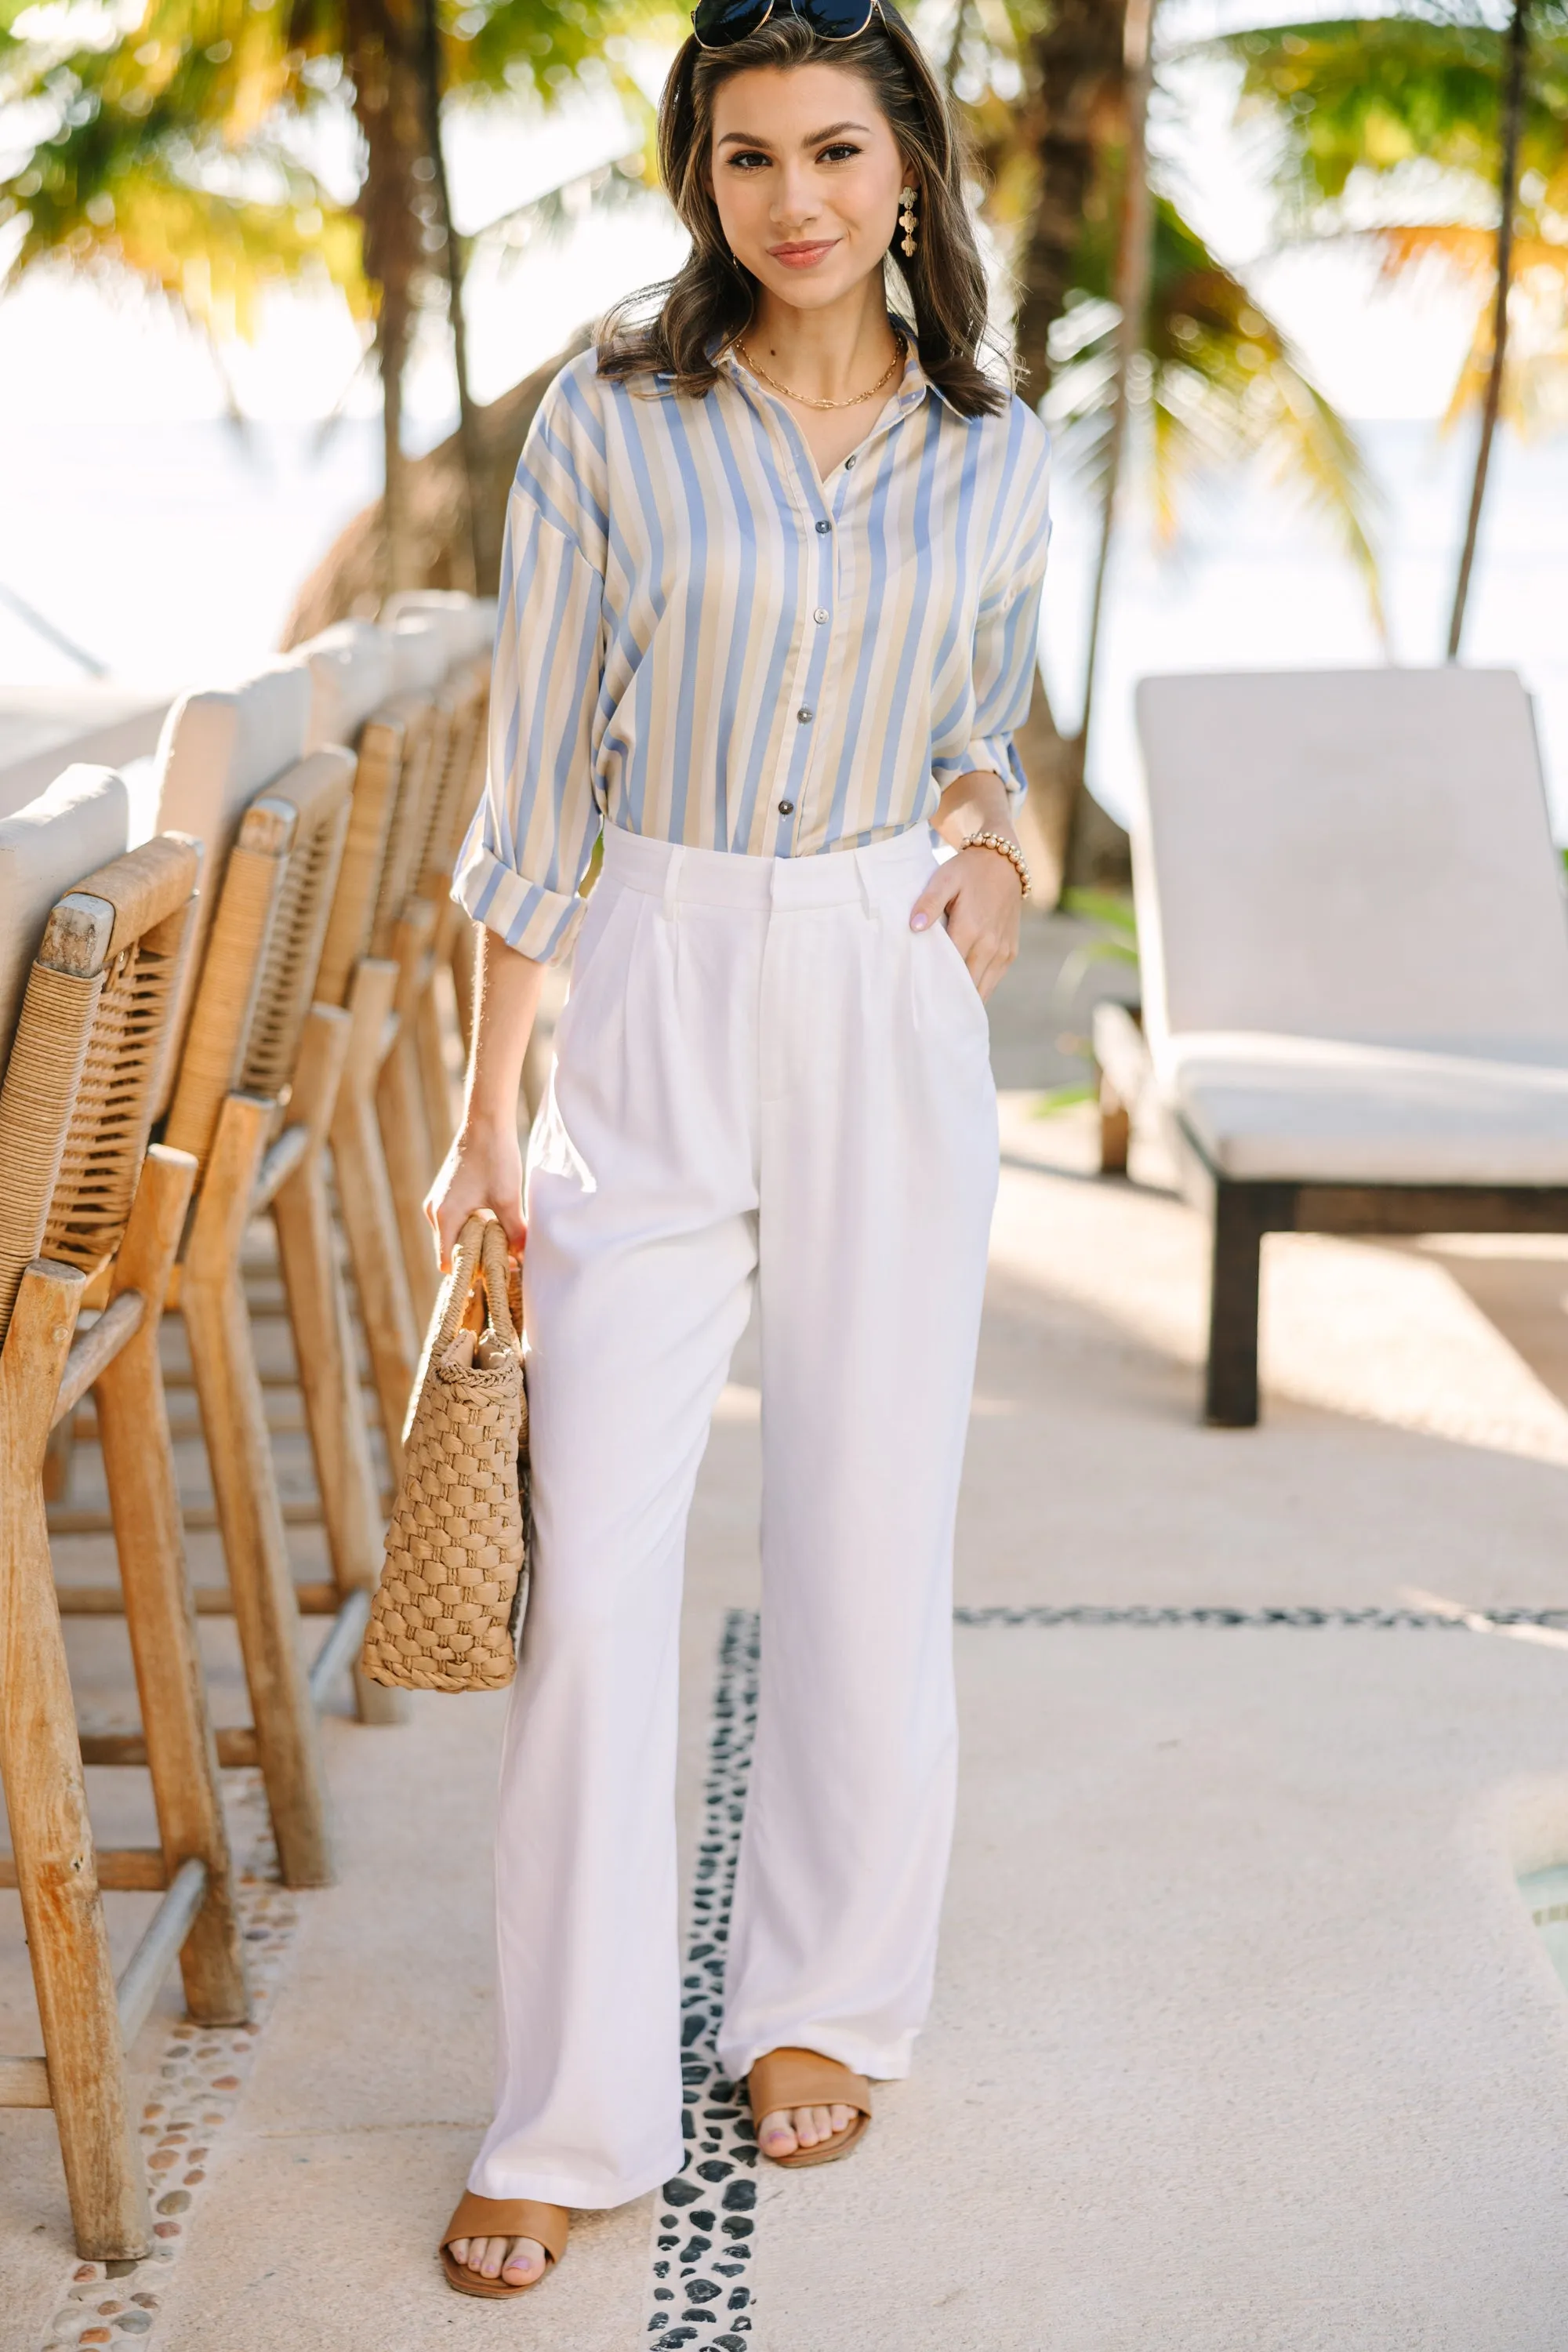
1243	2036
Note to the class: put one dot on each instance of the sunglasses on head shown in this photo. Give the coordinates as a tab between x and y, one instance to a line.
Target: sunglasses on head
720	24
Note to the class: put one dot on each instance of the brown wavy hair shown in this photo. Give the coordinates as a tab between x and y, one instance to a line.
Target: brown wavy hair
713	295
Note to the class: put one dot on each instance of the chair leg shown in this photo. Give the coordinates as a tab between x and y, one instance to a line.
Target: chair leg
1115	1130
323	1340
369	1216
440	1037
245	1486
1239	1223
436	1022
160	1611
45	1796
405	1130
58	1461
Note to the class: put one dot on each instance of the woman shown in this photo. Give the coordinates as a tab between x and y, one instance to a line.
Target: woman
770	604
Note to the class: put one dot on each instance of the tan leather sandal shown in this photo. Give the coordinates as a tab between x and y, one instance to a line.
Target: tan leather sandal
504	2217
803	2078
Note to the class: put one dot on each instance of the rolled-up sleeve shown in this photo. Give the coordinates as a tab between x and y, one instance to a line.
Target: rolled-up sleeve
1007	624
533	836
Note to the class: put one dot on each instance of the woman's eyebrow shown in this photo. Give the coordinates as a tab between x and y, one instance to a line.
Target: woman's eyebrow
813	139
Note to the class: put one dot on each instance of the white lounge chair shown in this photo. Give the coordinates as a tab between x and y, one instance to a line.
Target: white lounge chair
1354	953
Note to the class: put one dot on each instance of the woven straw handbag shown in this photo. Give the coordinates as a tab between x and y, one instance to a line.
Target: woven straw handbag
455	1582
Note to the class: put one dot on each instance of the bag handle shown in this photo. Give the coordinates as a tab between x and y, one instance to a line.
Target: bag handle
479	1255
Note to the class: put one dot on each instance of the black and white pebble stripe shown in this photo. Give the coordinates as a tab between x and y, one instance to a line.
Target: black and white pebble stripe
701	2297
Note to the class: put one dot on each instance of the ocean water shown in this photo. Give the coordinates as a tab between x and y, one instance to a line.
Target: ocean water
172	553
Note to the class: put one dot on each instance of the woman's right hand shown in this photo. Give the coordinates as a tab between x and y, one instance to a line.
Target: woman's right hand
483	1170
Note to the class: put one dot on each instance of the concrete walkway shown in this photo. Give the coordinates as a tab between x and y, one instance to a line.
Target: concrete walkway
1244	2040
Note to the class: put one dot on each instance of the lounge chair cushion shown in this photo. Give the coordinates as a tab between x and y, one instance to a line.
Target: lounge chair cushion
46	848
1318	1109
220	746
1360	853
350	668
468	622
419	653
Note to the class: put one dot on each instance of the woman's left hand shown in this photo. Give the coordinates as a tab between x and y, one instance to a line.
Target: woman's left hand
978	894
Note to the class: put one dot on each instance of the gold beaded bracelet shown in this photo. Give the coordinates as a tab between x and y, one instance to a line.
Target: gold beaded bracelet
1003	848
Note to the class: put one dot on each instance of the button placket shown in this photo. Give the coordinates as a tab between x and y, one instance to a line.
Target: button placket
797	745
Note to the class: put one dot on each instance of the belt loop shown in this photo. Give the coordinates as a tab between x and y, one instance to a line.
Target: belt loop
672	908
672	885
867	901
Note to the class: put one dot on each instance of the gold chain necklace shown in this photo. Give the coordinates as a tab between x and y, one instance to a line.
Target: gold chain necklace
805	399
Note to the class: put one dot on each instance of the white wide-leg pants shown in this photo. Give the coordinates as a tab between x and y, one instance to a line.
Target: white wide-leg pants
762	1075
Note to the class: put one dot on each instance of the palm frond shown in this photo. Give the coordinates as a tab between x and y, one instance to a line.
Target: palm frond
553	214
1222	386
1357	96
543	48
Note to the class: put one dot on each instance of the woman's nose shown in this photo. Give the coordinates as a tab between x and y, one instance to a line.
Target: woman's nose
794	204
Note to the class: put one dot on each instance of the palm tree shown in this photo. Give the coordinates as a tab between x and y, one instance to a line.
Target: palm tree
182	154
1362	109
1136	336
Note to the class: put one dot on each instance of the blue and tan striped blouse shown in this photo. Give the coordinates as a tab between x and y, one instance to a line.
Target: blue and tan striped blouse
701	639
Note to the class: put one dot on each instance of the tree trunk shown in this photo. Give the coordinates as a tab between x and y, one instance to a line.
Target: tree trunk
388	108
1078	72
1077	113
484	542
1507	177
347	579
1089	843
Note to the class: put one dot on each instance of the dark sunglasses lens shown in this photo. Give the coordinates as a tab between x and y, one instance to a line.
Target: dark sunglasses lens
836	20
717	22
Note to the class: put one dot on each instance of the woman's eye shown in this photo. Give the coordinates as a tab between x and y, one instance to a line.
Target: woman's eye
746	158
840	148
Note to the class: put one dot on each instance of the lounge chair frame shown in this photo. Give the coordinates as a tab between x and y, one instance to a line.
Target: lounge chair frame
86	1203
252	1023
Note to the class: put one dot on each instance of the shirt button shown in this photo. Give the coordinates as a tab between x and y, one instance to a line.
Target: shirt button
847	463
804	716
824	526
820	614
786	808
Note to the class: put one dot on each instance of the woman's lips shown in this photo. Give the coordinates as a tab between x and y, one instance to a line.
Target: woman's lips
801	256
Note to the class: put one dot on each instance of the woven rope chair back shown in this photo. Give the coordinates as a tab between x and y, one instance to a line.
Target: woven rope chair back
78	1093
221	746
377	775
424	720
322	788
263	945
453	801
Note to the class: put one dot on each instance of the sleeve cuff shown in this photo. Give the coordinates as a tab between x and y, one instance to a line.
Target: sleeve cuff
993	752
539	923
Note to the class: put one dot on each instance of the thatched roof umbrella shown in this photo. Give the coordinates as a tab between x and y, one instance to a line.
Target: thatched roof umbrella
348	580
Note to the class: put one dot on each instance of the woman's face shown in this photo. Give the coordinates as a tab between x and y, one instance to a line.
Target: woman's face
805	173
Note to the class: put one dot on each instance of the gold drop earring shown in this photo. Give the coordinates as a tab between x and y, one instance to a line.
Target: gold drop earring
907	218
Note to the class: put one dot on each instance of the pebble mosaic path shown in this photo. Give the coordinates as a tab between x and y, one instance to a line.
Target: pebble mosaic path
192	2098
700	2298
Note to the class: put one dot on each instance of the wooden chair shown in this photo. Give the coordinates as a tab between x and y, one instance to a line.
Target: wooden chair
254	1102
87	1208
440	984
354	670
253	1099
403	927
1354	966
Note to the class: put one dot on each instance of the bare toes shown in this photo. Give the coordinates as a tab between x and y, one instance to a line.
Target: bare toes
777	2135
